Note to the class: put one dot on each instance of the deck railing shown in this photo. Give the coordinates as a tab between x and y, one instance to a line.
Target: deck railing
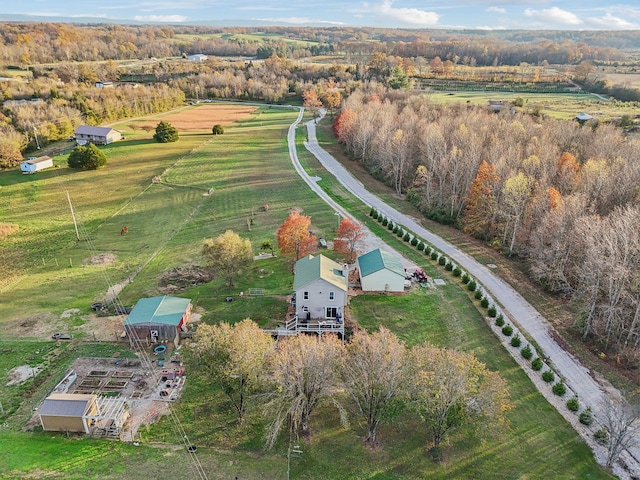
295	326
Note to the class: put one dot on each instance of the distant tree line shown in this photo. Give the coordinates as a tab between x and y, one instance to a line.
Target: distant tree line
562	196
26	44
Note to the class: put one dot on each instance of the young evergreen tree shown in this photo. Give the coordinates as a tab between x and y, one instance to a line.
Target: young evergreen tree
166	133
87	157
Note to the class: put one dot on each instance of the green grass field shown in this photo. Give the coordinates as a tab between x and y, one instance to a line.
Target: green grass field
247	168
557	105
258	38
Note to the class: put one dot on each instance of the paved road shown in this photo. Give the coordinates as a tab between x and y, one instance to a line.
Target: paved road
577	377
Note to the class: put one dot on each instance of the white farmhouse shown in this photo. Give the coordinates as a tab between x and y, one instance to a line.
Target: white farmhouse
321	288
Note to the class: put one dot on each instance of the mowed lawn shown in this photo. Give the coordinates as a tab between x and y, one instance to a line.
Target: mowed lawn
245	169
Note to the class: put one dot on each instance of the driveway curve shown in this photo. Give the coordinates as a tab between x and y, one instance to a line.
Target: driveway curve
578	378
371	240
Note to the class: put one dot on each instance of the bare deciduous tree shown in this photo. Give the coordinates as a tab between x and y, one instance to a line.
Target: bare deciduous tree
304	372
375	374
622	422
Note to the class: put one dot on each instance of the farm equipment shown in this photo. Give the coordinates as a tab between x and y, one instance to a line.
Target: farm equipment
420	276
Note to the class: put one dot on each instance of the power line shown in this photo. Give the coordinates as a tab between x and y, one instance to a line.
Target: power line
146	360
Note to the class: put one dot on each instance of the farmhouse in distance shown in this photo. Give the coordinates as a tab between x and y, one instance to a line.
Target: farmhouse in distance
99	135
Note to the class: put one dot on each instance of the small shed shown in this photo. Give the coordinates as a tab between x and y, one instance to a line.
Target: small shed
381	272
198	57
583	118
99	135
497	105
158	319
68	412
35	164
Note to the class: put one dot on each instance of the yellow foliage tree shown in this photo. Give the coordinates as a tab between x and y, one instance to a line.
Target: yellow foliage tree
228	254
231	357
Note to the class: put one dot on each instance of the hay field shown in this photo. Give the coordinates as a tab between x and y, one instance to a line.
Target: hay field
204	117
629	80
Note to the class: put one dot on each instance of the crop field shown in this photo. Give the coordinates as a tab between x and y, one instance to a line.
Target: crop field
206	117
172	196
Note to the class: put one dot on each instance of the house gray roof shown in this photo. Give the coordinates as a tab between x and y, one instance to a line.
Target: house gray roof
158	310
377	260
65	405
94	131
310	268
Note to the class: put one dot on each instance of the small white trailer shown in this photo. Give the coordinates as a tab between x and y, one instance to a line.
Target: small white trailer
35	164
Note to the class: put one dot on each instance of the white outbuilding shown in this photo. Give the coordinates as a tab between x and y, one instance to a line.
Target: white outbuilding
381	272
35	164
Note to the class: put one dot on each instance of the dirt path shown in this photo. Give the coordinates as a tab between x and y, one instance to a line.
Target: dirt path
578	378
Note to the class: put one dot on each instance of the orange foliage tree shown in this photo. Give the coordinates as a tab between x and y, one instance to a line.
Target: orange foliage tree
343	124
349	234
294	238
567	173
312	101
480	202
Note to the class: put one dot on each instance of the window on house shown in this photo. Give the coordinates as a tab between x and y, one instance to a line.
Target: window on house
330	312
305	295
332	296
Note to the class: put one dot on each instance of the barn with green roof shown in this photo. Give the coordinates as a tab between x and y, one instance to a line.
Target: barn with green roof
158	319
381	272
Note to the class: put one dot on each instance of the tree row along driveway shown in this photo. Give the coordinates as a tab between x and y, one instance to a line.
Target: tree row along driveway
578	378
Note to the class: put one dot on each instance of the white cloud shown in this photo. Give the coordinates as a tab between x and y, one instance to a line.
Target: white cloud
610	22
497	10
553	15
408	16
160	18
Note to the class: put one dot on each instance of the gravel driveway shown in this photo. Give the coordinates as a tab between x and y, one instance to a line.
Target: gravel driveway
371	242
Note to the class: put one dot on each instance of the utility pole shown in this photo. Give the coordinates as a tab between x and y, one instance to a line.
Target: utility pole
35	132
75	224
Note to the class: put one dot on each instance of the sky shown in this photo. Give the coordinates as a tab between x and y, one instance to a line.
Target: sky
472	14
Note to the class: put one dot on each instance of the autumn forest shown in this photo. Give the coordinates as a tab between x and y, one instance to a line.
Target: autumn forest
561	196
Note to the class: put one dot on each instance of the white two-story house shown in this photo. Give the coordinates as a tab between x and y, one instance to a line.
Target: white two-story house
321	289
